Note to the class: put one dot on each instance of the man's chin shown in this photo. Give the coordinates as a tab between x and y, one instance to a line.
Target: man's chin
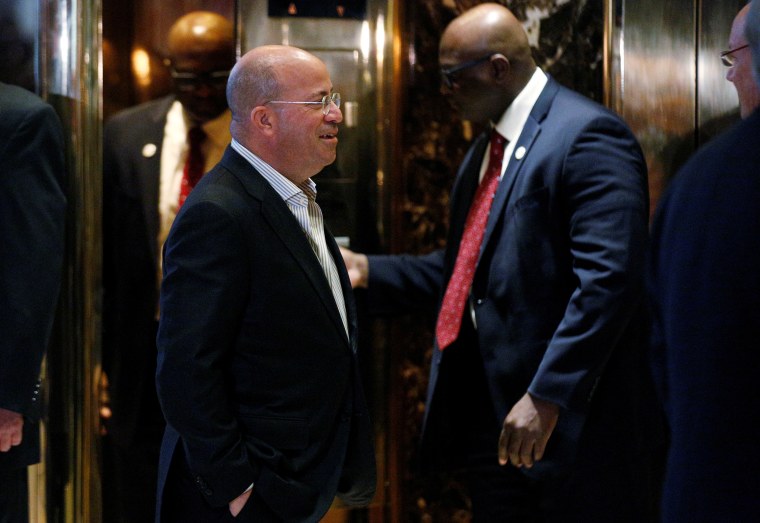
205	115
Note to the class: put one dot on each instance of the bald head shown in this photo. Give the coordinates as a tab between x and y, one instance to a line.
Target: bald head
486	30
201	33
262	74
201	51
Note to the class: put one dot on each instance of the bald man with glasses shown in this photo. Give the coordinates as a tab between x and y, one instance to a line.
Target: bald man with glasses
257	367
738	59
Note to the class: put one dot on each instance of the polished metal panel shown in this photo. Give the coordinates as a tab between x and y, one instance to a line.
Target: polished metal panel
657	89
69	76
664	76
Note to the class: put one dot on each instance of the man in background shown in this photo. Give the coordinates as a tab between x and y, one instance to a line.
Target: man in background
32	218
704	288
738	59
153	156
539	398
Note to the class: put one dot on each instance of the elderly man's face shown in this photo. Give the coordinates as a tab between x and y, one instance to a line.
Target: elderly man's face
740	73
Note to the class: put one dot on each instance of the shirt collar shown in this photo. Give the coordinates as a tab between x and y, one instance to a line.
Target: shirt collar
511	123
287	190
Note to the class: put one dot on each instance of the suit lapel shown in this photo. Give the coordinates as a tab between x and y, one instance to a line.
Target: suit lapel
520	153
149	171
276	212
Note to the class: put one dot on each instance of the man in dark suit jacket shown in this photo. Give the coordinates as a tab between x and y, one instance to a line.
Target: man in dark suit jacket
704	286
547	373
257	369
144	153
32	217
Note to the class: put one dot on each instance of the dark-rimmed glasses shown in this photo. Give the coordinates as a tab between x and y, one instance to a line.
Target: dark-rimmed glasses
190	81
727	56
447	73
325	102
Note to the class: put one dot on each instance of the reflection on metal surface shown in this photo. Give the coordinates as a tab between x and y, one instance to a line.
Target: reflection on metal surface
70	80
141	66
663	75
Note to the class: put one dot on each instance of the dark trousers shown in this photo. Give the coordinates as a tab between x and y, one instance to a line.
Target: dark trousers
14	496
183	502
129	479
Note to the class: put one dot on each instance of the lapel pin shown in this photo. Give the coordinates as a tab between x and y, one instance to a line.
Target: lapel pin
148	150
519	153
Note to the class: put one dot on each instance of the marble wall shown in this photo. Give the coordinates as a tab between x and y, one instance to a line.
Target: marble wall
566	36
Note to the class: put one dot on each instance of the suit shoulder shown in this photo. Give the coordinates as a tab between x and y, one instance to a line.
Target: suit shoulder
734	153
153	110
575	107
17	104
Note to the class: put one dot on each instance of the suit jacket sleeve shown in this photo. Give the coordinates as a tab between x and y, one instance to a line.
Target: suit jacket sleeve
32	216
603	203
203	298
404	283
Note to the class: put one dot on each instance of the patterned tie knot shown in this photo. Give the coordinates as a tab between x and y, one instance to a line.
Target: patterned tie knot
497	139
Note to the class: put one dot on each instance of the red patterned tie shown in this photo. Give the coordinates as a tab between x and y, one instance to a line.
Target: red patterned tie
195	163
452	308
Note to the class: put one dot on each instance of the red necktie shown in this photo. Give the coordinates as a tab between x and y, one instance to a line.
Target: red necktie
195	163
452	308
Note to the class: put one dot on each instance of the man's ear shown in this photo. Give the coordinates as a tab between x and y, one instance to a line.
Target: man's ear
500	66
262	119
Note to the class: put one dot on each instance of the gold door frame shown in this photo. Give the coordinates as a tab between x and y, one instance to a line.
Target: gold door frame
66	485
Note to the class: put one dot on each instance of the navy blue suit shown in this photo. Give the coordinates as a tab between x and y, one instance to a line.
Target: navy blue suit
256	375
32	225
705	293
558	301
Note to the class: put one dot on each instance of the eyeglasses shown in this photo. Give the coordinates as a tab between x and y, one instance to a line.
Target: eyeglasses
447	73
325	102
727	56
190	81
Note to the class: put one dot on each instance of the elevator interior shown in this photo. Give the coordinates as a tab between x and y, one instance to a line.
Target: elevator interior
663	75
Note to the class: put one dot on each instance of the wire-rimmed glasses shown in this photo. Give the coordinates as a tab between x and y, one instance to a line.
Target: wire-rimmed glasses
326	101
727	57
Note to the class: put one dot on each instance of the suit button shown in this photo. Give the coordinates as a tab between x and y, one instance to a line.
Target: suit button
208	491
479	301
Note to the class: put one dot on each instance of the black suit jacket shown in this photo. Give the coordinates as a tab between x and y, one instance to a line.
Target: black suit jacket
705	295
558	289
32	218
256	376
131	176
